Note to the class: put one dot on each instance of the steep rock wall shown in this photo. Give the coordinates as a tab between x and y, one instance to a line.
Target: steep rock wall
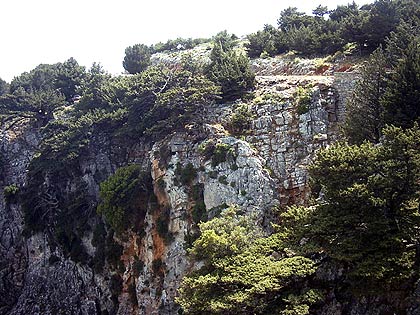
262	169
267	169
32	282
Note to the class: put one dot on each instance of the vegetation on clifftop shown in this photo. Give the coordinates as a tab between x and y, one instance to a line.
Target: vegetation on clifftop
326	31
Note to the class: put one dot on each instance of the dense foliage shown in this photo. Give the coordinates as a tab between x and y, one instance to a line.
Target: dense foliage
401	99
370	215
388	89
244	272
326	31
38	93
229	69
365	113
137	58
162	99
121	196
240	121
64	77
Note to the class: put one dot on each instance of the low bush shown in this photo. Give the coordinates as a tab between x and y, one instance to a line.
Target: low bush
120	195
10	192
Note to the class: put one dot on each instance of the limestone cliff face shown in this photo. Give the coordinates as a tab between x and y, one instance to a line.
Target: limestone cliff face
267	169
264	168
18	146
30	282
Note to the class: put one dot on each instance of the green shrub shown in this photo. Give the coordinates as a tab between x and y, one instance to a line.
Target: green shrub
207	148
221	153
218	152
267	42
240	274
303	100
10	192
240	121
370	209
223	180
230	70
137	58
185	175
162	100
119	195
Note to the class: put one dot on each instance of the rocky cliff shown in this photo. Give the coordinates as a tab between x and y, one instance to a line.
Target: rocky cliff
257	168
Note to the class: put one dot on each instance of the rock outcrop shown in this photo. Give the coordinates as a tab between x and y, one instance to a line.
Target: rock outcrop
264	168
267	168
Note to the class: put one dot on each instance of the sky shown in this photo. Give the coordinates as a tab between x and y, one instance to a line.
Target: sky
50	31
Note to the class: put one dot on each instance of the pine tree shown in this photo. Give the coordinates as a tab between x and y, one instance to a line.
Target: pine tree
370	217
230	70
4	87
243	272
398	41
364	117
402	97
137	58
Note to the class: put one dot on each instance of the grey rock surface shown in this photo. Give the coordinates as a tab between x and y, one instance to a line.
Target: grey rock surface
267	167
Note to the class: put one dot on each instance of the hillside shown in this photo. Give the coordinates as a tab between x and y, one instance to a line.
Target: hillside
206	182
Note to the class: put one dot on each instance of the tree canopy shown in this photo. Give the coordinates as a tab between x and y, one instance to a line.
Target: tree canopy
119	194
327	31
370	215
4	87
244	272
402	97
388	89
365	112
229	69
137	58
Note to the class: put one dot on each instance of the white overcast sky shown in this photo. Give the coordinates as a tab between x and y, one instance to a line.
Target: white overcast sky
50	31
